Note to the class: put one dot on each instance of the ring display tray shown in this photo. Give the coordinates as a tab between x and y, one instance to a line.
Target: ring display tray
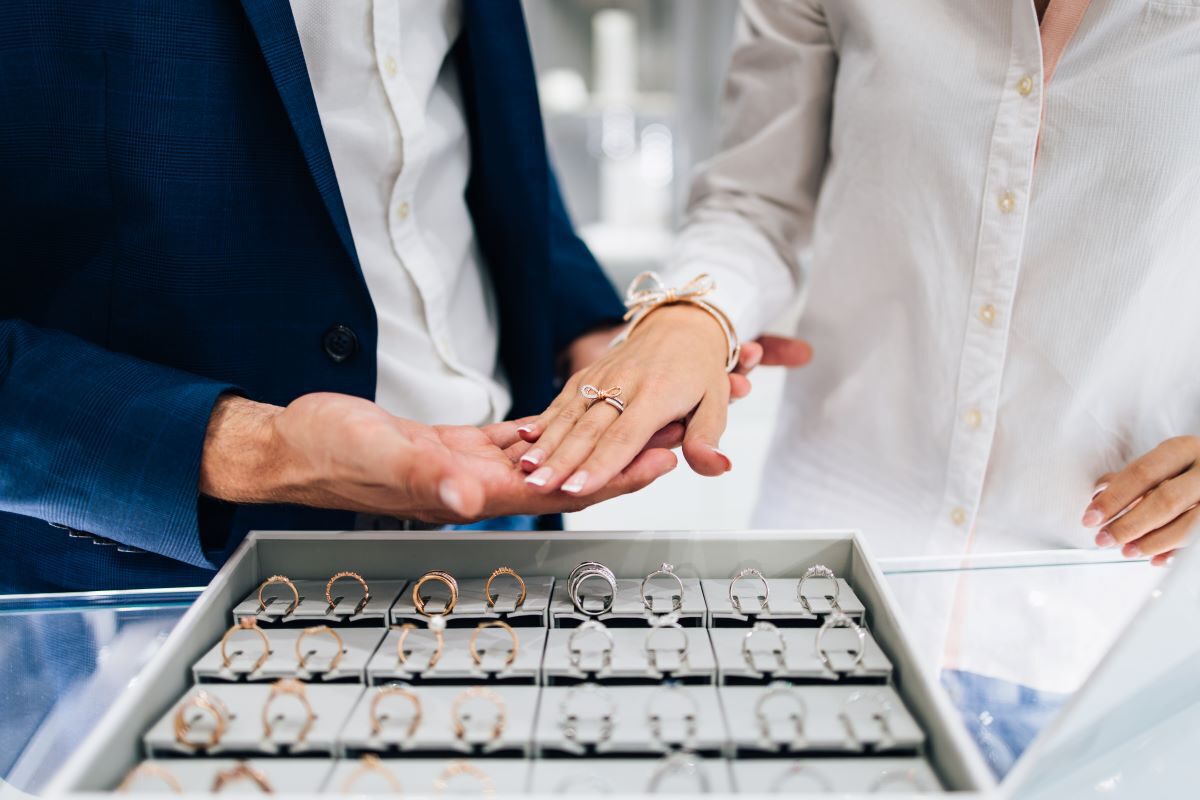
670	706
199	775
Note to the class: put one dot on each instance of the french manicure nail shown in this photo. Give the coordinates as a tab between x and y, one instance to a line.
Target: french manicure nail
1105	539
1092	517
539	478
525	429
1131	550
725	458
1099	489
450	495
533	457
576	482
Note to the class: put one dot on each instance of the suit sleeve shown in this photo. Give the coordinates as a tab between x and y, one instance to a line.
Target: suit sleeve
102	442
583	296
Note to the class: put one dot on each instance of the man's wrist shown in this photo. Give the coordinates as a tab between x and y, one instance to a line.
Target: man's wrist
241	462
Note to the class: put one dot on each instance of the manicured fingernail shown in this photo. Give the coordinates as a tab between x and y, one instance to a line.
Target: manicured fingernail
1131	550
540	477
525	429
1105	539
533	457
450	495
1168	561
1099	489
725	458
1092	517
576	482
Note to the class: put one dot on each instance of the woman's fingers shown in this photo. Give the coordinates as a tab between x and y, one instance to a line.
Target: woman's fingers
632	433
561	469
703	435
506	434
1141	475
1163	559
1163	503
551	426
782	351
1164	540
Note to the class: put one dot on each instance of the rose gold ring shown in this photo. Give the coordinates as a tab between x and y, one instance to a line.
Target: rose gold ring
241	771
148	769
395	691
319	630
366	595
294	688
595	394
246	623
482	692
487	587
183	726
371	763
402	655
286	581
477	657
456	768
437	576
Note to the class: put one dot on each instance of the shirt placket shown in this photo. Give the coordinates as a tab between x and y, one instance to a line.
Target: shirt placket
994	280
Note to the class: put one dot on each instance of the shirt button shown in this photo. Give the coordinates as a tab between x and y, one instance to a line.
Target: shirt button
987	314
973	418
390	67
1025	85
1007	202
340	343
403	210
958	515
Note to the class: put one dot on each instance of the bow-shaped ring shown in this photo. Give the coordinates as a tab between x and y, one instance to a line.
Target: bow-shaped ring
590	392
647	291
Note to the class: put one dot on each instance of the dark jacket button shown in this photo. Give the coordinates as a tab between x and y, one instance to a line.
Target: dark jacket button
340	343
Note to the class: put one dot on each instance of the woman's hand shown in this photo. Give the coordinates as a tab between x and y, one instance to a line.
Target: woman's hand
1149	507
671	368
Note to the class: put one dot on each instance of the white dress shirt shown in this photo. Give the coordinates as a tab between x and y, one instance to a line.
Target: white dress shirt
388	96
996	322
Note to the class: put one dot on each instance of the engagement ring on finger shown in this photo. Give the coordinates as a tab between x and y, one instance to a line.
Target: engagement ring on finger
609	396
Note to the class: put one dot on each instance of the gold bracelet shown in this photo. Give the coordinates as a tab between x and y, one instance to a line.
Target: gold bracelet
647	294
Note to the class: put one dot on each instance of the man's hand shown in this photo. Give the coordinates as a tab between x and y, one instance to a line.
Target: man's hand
337	451
1150	507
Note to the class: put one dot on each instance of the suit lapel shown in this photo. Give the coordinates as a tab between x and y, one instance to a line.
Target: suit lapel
275	29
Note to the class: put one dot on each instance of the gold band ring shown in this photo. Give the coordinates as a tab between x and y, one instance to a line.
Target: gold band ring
183	727
395	691
487	587
456	768
366	595
477	657
482	692
286	581
437	576
148	769
371	763
294	688
241	771
302	657
402	656
246	623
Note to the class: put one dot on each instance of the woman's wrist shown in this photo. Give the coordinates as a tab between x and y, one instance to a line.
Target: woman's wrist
690	320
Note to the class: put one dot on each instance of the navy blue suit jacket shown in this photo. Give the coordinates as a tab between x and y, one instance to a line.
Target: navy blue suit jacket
171	228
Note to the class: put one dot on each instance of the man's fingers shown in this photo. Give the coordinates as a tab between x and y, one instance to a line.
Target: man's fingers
749	358
669	437
1164	462
434	478
703	435
782	351
1163	559
1165	539
1165	502
739	386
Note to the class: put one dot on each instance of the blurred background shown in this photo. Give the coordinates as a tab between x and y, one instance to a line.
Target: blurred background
630	95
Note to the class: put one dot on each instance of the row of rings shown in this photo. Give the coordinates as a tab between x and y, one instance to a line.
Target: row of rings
589	570
211	705
671	627
367	765
813	572
286	581
835	620
446	579
402	653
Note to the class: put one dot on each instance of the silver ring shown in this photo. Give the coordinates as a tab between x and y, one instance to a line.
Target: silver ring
798	716
890	777
615	403
748	572
667	570
654	720
652	651
882	715
679	764
575	654
586	571
570	719
780	652
778	785
818	571
840	620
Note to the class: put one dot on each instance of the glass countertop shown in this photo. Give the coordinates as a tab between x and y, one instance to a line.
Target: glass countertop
1010	636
